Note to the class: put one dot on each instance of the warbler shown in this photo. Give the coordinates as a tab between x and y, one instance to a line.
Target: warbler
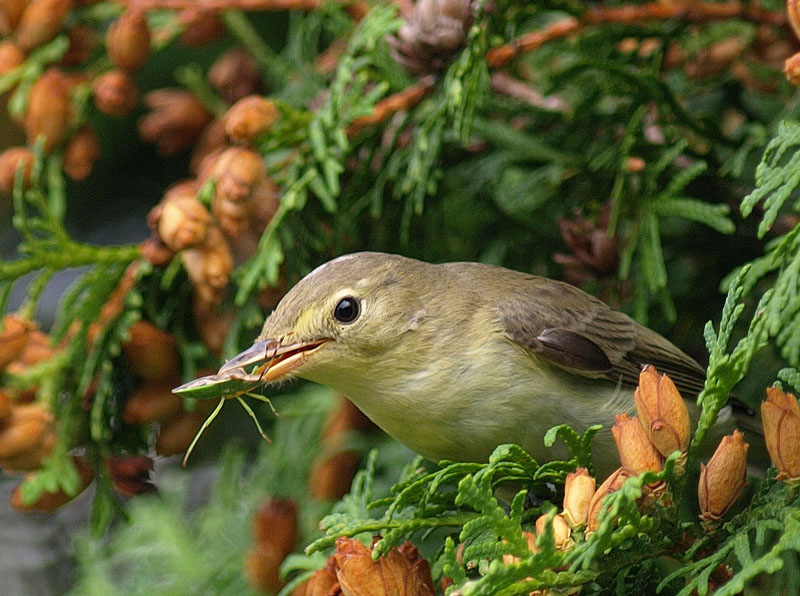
455	359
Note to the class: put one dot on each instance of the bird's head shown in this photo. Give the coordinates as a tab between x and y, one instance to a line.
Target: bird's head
339	323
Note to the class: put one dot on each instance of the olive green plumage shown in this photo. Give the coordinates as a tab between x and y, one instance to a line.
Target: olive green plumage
454	359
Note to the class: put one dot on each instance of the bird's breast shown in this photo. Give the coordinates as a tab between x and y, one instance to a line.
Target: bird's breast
461	404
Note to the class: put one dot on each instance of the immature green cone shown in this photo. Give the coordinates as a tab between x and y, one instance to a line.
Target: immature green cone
780	416
662	411
723	478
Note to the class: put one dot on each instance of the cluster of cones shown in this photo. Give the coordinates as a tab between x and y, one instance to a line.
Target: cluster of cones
661	428
29	430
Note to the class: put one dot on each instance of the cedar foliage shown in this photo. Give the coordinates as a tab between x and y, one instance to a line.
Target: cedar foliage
647	154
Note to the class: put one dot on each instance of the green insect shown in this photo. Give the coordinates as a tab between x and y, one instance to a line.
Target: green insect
231	384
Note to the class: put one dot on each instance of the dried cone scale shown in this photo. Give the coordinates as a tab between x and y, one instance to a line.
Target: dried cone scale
209	267
431	34
780	416
49	109
792	65
201	26
48	501
578	492
40	21
10	14
151	353
115	93
81	153
153	402
275	533
25	430
662	411
636	452
128	40
11	56
130	474
560	528
723	478
401	572
249	118
10	160
175	120
611	484
235	75
793	12
181	220
13	337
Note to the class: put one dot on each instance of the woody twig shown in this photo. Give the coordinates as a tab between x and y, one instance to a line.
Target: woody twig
246	5
695	12
222	5
403	100
497	57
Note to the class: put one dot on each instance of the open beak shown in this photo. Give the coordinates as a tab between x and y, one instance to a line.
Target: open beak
273	358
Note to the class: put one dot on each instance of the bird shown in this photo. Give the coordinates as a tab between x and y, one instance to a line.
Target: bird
454	359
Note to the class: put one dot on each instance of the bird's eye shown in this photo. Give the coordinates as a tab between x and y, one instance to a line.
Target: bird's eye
347	310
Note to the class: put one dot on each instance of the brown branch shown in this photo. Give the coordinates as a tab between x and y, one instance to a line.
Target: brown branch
695	12
687	10
328	60
221	5
402	100
497	57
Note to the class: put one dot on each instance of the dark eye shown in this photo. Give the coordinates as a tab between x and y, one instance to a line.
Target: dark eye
347	310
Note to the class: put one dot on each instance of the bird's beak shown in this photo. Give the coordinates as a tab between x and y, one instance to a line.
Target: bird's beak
274	358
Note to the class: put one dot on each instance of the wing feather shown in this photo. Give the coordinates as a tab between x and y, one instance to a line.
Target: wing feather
581	334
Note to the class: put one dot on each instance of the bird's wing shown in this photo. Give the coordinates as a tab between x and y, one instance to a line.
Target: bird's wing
582	335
